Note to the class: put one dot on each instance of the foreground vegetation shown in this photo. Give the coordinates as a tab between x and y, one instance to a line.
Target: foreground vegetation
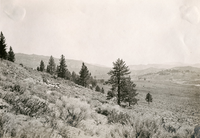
35	104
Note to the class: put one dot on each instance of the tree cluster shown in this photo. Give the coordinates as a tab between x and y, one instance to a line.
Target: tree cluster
84	78
3	53
61	70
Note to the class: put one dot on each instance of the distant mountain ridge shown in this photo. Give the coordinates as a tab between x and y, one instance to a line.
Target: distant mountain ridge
99	71
33	61
162	66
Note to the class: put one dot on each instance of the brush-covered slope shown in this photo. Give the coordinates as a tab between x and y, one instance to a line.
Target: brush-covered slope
36	105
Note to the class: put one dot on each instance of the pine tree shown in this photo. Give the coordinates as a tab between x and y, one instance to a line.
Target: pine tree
3	53
42	66
118	73
128	91
149	98
97	88
62	68
84	76
11	55
51	68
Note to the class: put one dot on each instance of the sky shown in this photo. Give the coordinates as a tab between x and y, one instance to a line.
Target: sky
100	31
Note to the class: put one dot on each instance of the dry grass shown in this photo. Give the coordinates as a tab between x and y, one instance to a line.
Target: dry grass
32	109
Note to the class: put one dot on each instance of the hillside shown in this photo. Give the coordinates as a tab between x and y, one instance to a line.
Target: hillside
31	106
157	66
162	66
136	73
177	74
33	61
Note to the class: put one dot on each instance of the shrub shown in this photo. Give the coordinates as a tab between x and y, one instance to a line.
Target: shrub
73	111
119	117
106	109
4	126
6	86
26	105
18	88
97	88
102	111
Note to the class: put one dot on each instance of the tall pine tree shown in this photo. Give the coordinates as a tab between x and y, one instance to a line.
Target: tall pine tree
3	53
42	66
118	74
51	68
84	75
62	68
11	55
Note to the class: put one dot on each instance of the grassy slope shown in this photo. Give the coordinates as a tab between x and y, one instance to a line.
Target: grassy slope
31	108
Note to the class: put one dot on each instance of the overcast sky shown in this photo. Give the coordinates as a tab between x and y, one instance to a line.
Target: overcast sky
100	31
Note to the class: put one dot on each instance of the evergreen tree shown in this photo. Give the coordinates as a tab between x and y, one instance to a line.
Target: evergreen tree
97	88
62	68
51	68
42	66
118	73
84	76
11	55
38	68
129	91
102	90
3	53
149	98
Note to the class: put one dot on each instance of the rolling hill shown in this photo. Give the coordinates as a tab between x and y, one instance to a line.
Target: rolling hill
154	71
186	75
33	61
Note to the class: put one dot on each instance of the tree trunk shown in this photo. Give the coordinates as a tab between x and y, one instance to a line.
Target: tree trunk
118	90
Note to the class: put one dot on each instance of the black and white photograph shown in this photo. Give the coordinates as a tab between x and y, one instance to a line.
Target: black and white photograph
99	68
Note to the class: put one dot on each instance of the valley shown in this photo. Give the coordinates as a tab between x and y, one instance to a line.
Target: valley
39	109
